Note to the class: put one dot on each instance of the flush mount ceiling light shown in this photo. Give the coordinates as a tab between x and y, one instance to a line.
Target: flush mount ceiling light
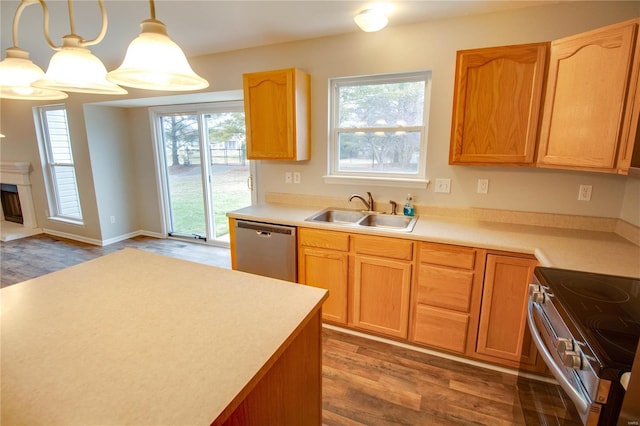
370	20
75	69
154	62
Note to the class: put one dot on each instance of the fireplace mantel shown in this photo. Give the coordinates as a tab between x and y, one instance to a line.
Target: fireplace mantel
15	167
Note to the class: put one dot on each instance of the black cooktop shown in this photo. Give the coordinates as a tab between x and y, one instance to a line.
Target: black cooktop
605	310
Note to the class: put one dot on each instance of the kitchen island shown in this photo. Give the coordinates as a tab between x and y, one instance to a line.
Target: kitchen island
139	338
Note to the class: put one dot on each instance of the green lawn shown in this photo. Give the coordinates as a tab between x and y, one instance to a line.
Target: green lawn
229	184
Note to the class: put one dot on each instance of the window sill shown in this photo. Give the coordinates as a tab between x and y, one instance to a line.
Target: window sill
66	220
377	181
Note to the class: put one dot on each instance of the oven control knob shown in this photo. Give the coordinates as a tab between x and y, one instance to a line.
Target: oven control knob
572	360
537	296
563	345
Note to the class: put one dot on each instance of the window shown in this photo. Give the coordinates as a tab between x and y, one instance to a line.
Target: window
57	164
378	128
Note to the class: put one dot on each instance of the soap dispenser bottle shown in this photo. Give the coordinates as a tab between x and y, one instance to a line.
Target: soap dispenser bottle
408	207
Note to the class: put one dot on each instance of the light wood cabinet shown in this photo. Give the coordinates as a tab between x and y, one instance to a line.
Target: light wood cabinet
277	114
587	110
446	297
323	261
496	104
503	335
462	300
382	284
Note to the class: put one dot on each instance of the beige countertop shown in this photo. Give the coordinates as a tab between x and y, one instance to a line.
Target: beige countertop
139	338
591	251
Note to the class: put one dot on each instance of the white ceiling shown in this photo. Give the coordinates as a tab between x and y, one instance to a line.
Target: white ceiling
202	27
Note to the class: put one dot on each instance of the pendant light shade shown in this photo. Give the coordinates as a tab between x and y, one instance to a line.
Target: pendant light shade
154	62
75	69
17	72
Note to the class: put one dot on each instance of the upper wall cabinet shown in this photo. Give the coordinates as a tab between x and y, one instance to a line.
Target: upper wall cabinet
277	114
590	112
496	104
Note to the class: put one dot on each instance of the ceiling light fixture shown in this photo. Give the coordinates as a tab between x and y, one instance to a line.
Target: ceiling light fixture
370	20
154	62
17	71
73	68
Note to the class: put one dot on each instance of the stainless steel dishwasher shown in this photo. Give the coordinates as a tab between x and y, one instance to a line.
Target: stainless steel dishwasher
266	249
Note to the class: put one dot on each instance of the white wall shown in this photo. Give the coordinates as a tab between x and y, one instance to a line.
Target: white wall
113	166
431	45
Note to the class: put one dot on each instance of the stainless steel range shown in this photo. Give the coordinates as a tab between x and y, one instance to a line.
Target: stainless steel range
586	327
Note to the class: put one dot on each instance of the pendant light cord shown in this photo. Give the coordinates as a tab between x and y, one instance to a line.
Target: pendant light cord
152	9
103	28
45	21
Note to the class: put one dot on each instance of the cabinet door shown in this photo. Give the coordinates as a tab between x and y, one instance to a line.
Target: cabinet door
277	115
381	295
326	269
584	107
503	325
496	106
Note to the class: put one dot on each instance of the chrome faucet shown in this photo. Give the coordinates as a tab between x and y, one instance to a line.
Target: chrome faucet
367	203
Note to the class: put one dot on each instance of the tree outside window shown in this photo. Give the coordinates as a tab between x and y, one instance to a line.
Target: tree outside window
378	125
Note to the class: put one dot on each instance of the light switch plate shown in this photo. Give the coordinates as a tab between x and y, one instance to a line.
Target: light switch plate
443	185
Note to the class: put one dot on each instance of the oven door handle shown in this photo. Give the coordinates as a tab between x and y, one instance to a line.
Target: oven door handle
582	403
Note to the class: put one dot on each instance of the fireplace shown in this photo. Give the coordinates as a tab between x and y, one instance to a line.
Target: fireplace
18	212
11	203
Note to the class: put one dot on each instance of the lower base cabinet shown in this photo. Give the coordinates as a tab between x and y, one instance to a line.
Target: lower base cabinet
503	335
446	297
381	295
461	300
323	261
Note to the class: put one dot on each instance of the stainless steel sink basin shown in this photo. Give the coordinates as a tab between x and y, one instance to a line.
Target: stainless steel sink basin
386	221
338	216
364	219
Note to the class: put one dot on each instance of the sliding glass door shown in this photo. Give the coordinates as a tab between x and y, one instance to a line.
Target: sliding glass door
204	169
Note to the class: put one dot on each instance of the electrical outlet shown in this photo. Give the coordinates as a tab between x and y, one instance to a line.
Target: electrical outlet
296	177
288	177
113	219
483	186
584	193
443	185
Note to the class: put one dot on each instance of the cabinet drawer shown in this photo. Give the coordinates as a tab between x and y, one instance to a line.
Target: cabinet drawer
324	239
454	256
441	328
385	247
444	287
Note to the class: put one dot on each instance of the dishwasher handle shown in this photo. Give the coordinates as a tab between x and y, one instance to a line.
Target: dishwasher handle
265	229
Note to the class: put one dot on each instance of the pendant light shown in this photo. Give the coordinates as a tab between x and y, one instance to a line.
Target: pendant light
17	71
154	62
74	68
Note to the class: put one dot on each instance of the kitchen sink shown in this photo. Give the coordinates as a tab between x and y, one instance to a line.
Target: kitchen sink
386	221
338	216
364	219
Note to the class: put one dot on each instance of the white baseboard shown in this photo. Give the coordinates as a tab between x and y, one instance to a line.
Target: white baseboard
106	242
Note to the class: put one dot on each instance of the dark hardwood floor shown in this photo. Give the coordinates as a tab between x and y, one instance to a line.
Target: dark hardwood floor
365	382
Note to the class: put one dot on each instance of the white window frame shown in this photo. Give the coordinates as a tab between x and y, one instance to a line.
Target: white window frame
334	175
49	166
